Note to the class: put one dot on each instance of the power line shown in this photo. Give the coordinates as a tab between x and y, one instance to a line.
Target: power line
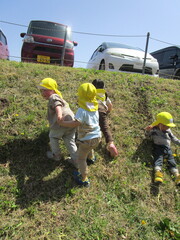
14	23
109	35
164	42
94	34
100	34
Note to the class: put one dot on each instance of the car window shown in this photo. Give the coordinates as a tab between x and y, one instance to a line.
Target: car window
119	45
159	56
167	59
3	38
95	52
48	29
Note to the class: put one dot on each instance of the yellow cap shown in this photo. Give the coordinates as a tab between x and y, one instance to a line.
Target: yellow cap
50	84
87	97
165	118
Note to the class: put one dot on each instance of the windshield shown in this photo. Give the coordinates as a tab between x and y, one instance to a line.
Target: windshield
119	45
48	29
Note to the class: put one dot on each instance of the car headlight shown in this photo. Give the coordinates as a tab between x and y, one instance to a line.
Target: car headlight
28	39
153	60
124	55
117	54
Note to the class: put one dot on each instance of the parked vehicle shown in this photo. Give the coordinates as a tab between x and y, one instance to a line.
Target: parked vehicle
4	51
44	43
120	57
169	62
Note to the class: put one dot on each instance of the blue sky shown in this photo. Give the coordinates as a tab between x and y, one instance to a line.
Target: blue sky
115	17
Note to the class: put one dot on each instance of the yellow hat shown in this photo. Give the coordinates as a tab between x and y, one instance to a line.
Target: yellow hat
50	84
165	118
87	97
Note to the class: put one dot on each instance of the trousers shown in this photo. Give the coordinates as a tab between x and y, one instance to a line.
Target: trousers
159	153
68	136
85	150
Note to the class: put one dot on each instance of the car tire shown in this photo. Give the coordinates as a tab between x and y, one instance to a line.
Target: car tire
177	76
102	65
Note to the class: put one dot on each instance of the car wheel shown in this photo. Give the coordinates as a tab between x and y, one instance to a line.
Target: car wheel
177	76
102	65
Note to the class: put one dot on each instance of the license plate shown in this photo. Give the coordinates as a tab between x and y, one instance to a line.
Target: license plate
43	59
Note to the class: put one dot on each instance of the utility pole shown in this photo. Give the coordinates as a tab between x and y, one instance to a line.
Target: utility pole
145	54
64	46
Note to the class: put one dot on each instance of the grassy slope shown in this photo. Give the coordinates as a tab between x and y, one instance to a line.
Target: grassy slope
38	197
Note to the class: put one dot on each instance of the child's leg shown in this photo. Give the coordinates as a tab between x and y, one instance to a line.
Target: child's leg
82	153
172	163
69	141
54	144
158	154
85	150
55	136
158	162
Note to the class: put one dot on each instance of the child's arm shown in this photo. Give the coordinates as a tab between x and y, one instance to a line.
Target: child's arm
58	113
109	105
174	139
148	131
148	128
71	124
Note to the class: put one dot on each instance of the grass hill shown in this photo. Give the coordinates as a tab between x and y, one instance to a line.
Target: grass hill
39	198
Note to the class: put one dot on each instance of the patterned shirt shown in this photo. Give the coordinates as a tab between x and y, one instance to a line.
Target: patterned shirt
162	137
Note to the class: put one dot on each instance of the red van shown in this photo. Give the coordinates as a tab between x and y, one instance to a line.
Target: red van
4	51
48	42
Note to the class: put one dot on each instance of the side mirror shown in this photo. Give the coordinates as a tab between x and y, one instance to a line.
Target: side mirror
101	49
22	34
75	43
174	57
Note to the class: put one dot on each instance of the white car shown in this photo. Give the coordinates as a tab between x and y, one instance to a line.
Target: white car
120	57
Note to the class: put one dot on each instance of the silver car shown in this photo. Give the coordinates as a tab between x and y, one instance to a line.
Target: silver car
120	57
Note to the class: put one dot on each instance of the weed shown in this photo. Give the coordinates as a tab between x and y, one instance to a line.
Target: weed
39	198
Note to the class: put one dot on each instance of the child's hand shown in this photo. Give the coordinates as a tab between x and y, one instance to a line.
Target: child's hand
148	128
60	120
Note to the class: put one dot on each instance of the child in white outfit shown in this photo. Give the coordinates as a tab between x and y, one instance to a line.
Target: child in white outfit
89	134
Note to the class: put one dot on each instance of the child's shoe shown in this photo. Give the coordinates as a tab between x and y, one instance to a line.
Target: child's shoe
91	161
78	179
112	149
52	156
158	177
177	181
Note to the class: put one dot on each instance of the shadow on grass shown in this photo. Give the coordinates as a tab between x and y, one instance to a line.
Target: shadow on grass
143	154
28	163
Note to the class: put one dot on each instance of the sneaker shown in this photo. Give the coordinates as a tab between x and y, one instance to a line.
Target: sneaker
91	161
51	155
158	177
78	179
177	181
112	149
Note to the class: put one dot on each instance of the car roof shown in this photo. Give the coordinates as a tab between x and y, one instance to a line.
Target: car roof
45	22
119	45
165	49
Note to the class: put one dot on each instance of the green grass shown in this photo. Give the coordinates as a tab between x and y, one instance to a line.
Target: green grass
39	198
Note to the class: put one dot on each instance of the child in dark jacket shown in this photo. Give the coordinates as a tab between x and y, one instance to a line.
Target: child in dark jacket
104	107
159	131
